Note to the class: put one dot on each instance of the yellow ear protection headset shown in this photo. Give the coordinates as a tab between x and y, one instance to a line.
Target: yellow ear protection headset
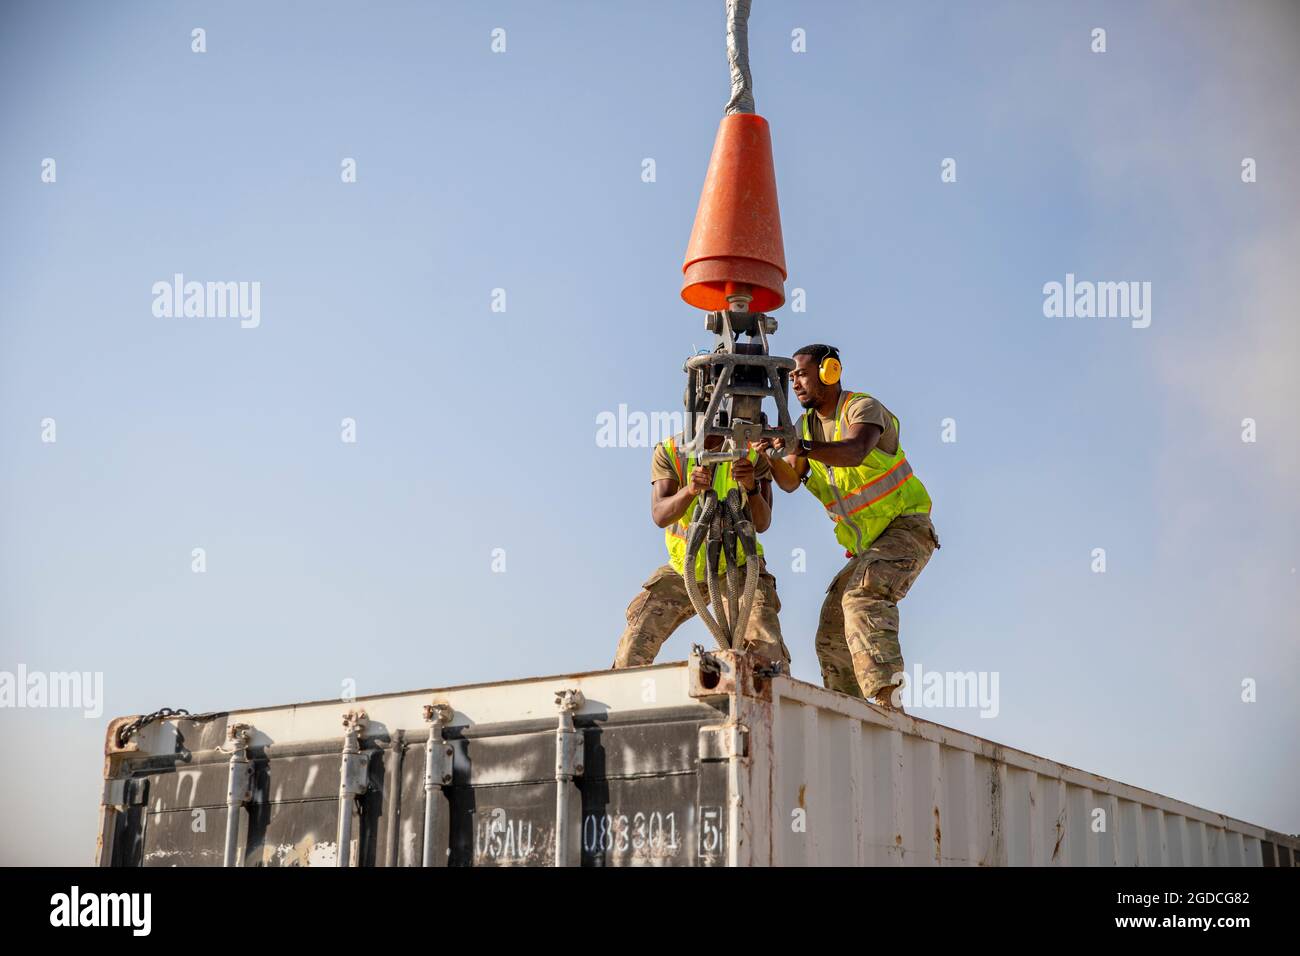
828	372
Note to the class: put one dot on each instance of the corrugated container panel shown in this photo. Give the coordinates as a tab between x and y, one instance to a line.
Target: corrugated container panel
857	785
711	762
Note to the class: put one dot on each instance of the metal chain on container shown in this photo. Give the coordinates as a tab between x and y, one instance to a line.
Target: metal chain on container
126	731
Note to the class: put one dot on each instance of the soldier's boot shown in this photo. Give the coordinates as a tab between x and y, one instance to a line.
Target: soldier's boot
883	698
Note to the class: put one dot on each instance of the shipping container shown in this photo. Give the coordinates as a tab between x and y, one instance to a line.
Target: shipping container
716	761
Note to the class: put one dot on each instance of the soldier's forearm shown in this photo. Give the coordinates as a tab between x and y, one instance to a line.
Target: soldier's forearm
787	478
840	454
670	508
850	451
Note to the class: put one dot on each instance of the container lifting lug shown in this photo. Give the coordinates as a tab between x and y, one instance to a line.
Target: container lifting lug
711	675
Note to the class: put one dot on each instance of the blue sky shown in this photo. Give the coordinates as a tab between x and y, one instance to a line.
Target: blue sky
476	430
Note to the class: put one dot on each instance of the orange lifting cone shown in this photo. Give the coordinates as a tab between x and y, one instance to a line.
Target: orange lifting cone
736	241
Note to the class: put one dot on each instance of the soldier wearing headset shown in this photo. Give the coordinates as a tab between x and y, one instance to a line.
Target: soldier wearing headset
850	457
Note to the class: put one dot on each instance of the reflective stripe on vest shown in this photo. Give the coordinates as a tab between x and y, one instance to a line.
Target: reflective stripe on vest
671	447
868	494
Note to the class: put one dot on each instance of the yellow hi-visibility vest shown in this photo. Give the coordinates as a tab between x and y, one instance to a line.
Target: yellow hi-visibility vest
675	533
863	499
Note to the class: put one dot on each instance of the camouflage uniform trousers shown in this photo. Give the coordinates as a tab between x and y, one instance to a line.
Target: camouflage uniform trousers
857	633
663	606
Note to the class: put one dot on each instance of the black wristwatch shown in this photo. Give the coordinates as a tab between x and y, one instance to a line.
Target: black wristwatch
805	446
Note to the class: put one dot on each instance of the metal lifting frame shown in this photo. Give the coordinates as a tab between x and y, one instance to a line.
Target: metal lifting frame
718	526
744	401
